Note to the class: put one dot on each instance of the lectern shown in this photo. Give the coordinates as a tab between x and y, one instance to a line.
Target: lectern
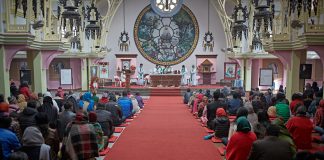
127	80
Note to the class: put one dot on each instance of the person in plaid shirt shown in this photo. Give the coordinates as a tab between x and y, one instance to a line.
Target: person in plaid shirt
80	141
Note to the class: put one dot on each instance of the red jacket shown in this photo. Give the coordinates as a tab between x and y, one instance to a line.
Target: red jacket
104	100
26	92
301	130
293	104
240	145
319	117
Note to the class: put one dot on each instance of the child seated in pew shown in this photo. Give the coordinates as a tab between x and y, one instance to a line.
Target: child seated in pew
222	125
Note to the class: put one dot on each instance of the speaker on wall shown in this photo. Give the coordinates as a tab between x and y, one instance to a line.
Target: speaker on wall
305	71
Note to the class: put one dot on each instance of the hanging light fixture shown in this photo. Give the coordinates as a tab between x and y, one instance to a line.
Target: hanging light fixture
256	42
124	38
240	15
71	14
264	14
92	29
208	43
306	5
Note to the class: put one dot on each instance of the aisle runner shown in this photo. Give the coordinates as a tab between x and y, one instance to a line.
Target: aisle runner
164	131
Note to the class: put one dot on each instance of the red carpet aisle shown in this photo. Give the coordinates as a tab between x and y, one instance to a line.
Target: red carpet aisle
164	131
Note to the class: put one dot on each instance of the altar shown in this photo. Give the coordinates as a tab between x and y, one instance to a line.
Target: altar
165	80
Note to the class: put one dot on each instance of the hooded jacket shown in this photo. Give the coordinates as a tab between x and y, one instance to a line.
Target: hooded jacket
34	145
27	118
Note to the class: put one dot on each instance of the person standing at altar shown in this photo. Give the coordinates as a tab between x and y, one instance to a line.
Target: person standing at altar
193	77
123	76
157	70
140	76
183	75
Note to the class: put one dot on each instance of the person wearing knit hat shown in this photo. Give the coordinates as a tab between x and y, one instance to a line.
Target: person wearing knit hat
301	127
50	135
34	144
101	139
222	125
4	107
104	99
240	144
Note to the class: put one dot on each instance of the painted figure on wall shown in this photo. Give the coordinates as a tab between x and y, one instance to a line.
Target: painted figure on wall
140	72
193	75
183	75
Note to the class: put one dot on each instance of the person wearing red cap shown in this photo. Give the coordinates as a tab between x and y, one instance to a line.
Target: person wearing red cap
222	125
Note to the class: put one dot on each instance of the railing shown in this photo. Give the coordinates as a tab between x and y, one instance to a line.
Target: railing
280	37
309	28
18	28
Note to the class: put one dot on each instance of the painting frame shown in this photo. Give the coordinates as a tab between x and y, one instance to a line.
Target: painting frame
102	69
93	71
25	75
264	75
127	63
66	78
230	70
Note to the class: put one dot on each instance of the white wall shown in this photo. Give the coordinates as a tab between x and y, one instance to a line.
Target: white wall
199	9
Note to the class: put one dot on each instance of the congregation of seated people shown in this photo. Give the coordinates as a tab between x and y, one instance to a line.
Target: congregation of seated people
65	126
262	124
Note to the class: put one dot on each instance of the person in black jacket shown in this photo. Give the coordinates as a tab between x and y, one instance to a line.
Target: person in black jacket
13	89
64	119
104	118
271	147
51	112
212	107
115	111
26	117
221	125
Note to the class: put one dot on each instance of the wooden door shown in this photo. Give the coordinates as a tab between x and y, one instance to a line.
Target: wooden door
206	78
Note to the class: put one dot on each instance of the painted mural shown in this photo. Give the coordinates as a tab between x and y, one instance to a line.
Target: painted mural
166	40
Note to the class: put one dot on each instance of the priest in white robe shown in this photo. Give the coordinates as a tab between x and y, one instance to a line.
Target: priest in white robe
193	76
183	75
140	76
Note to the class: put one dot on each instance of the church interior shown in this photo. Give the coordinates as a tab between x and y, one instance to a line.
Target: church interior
161	79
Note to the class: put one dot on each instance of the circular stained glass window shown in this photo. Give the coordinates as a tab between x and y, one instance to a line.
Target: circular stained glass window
166	8
166	40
